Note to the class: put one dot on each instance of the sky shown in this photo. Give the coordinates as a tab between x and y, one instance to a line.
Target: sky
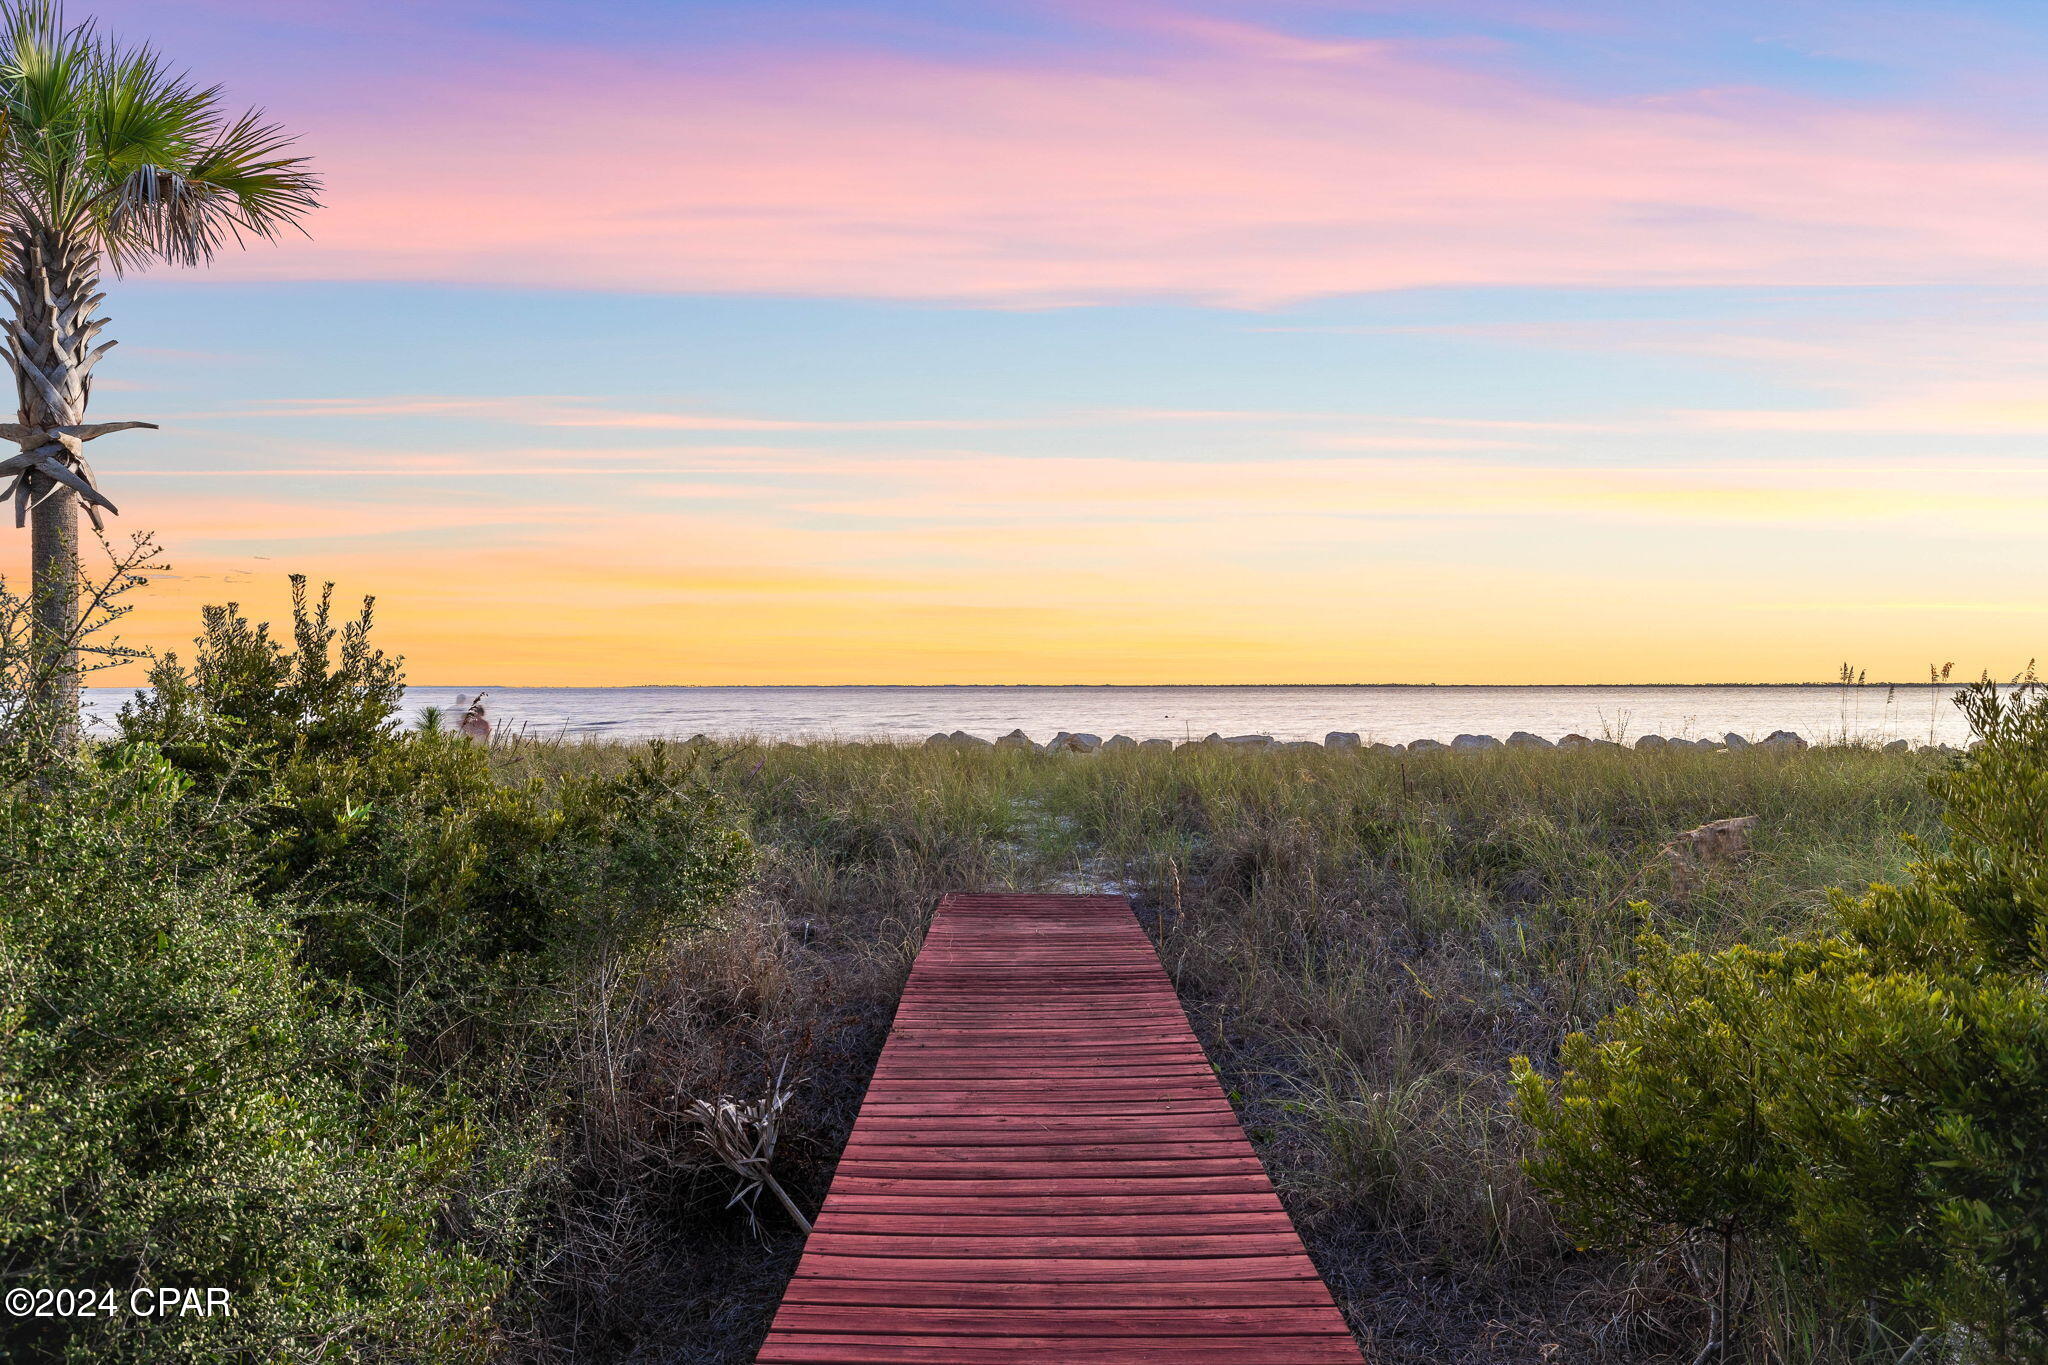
1116	341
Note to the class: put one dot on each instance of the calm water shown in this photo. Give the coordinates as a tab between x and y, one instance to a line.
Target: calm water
1392	714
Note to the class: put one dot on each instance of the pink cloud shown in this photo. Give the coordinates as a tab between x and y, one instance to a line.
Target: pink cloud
1236	166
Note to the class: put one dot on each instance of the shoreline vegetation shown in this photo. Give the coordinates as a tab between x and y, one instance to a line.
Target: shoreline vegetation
409	1037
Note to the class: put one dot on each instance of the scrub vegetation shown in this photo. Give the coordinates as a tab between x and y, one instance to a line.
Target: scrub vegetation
406	1039
1369	943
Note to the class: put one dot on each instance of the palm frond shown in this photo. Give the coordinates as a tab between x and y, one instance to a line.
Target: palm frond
110	145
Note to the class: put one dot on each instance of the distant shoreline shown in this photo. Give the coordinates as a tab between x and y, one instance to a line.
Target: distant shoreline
1142	687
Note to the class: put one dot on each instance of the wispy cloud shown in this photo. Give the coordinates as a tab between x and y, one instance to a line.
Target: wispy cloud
1239	164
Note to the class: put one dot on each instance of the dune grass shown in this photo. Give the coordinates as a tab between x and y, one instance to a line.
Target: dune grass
1362	940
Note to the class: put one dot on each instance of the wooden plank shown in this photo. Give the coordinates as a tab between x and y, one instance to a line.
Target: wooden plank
1045	1169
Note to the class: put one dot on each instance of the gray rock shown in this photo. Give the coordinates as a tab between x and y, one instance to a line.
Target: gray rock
1575	741
1471	743
1301	744
1250	741
1155	744
1734	741
1083	743
1522	739
1782	739
1427	746
1016	739
1119	742
966	741
1341	739
938	741
1655	742
1898	746
1378	748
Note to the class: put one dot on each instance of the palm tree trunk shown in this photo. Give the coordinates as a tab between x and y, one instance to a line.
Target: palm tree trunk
53	569
53	287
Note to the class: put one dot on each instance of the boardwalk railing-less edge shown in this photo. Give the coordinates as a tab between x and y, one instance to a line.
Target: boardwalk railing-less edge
1045	1169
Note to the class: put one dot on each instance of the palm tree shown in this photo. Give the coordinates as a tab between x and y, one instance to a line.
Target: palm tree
108	160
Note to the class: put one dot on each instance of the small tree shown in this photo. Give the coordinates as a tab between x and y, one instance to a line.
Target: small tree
108	158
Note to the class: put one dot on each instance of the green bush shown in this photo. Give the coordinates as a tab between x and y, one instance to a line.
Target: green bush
1866	1106
284	992
180	1107
422	877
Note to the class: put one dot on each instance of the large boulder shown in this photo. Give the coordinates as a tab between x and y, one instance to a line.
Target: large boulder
1249	741
1898	746
1342	739
1427	746
1301	744
1378	748
1474	743
1734	741
1575	741
962	740
1119	742
1016	739
1076	743
1782	739
1655	742
938	741
1522	739
1155	744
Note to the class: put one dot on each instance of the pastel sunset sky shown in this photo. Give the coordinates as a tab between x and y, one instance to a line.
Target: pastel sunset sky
1094	341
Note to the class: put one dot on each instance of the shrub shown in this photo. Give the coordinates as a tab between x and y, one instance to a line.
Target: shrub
286	999
1866	1103
421	876
178	1106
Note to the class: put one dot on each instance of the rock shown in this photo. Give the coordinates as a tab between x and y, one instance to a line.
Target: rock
1472	743
1250	741
966	741
1119	742
939	741
1341	739
1083	743
1522	739
1016	739
698	739
1714	842
1301	744
1575	741
1378	748
1898	746
1655	742
1155	744
1427	746
1782	739
1734	741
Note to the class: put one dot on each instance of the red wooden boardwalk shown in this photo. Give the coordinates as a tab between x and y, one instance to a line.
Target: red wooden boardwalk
1045	1169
